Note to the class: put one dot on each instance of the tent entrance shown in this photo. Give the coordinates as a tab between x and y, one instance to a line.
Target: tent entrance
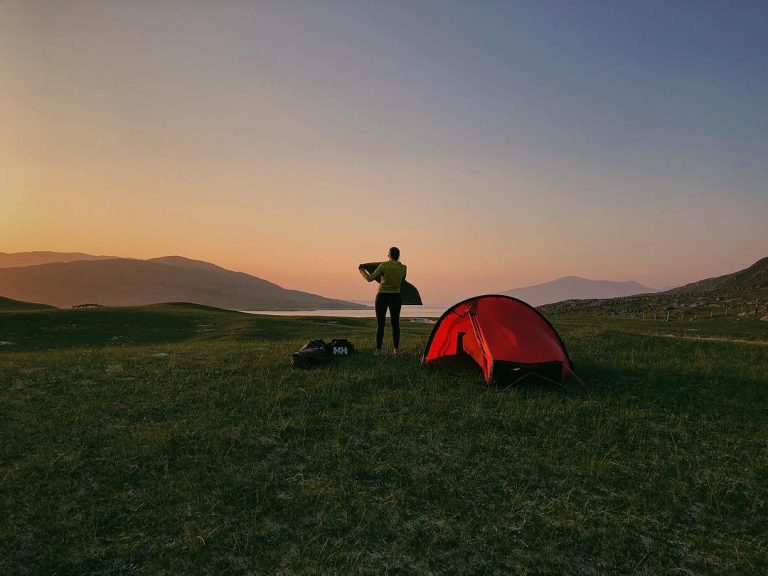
505	372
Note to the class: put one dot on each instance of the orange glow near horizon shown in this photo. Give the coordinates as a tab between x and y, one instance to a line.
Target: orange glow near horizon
263	223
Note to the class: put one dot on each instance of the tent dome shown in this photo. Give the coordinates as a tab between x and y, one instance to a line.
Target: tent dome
505	336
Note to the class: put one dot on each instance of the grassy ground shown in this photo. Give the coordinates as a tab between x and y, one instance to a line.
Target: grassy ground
176	440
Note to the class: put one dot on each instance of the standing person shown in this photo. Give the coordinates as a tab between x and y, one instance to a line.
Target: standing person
390	275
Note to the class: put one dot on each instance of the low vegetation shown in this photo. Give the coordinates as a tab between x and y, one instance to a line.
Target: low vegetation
176	440
670	306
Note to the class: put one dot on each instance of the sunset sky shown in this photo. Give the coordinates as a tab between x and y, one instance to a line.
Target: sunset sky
498	144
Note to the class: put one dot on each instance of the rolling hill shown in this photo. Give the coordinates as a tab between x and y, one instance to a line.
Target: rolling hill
128	282
576	288
19	259
743	293
8	304
754	277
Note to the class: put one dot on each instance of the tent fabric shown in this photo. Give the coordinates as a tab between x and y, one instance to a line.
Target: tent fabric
409	295
502	335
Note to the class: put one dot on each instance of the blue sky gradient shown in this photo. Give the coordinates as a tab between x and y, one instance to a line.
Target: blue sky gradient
499	143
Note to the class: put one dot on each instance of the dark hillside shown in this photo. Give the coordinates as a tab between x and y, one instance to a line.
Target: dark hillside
8	304
127	282
753	278
740	294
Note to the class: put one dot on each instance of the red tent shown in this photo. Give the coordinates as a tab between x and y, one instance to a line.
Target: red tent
505	336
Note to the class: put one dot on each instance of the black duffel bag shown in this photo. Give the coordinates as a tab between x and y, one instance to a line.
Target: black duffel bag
340	347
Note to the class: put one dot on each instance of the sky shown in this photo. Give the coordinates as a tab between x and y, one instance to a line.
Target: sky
498	144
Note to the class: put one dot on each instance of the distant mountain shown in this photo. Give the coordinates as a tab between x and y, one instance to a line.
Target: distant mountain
575	288
128	282
743	293
8	304
19	259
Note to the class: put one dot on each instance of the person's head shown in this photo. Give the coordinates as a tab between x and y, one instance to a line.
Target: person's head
394	253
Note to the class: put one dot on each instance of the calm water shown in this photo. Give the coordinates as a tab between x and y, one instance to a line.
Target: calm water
406	312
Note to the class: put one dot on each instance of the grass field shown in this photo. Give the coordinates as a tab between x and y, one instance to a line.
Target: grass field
177	440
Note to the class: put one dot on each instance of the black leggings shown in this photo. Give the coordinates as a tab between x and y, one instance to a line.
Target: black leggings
393	302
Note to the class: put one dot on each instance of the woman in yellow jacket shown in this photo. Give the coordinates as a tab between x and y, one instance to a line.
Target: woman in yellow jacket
391	275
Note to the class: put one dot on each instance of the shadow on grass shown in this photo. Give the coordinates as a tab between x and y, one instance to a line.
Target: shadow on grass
464	369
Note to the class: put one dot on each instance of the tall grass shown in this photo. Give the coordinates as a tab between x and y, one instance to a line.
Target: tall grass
195	448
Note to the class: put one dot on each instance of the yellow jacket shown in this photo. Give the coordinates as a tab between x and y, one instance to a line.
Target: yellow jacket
392	274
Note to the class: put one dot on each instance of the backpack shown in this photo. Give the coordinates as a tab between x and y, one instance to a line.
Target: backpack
311	354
